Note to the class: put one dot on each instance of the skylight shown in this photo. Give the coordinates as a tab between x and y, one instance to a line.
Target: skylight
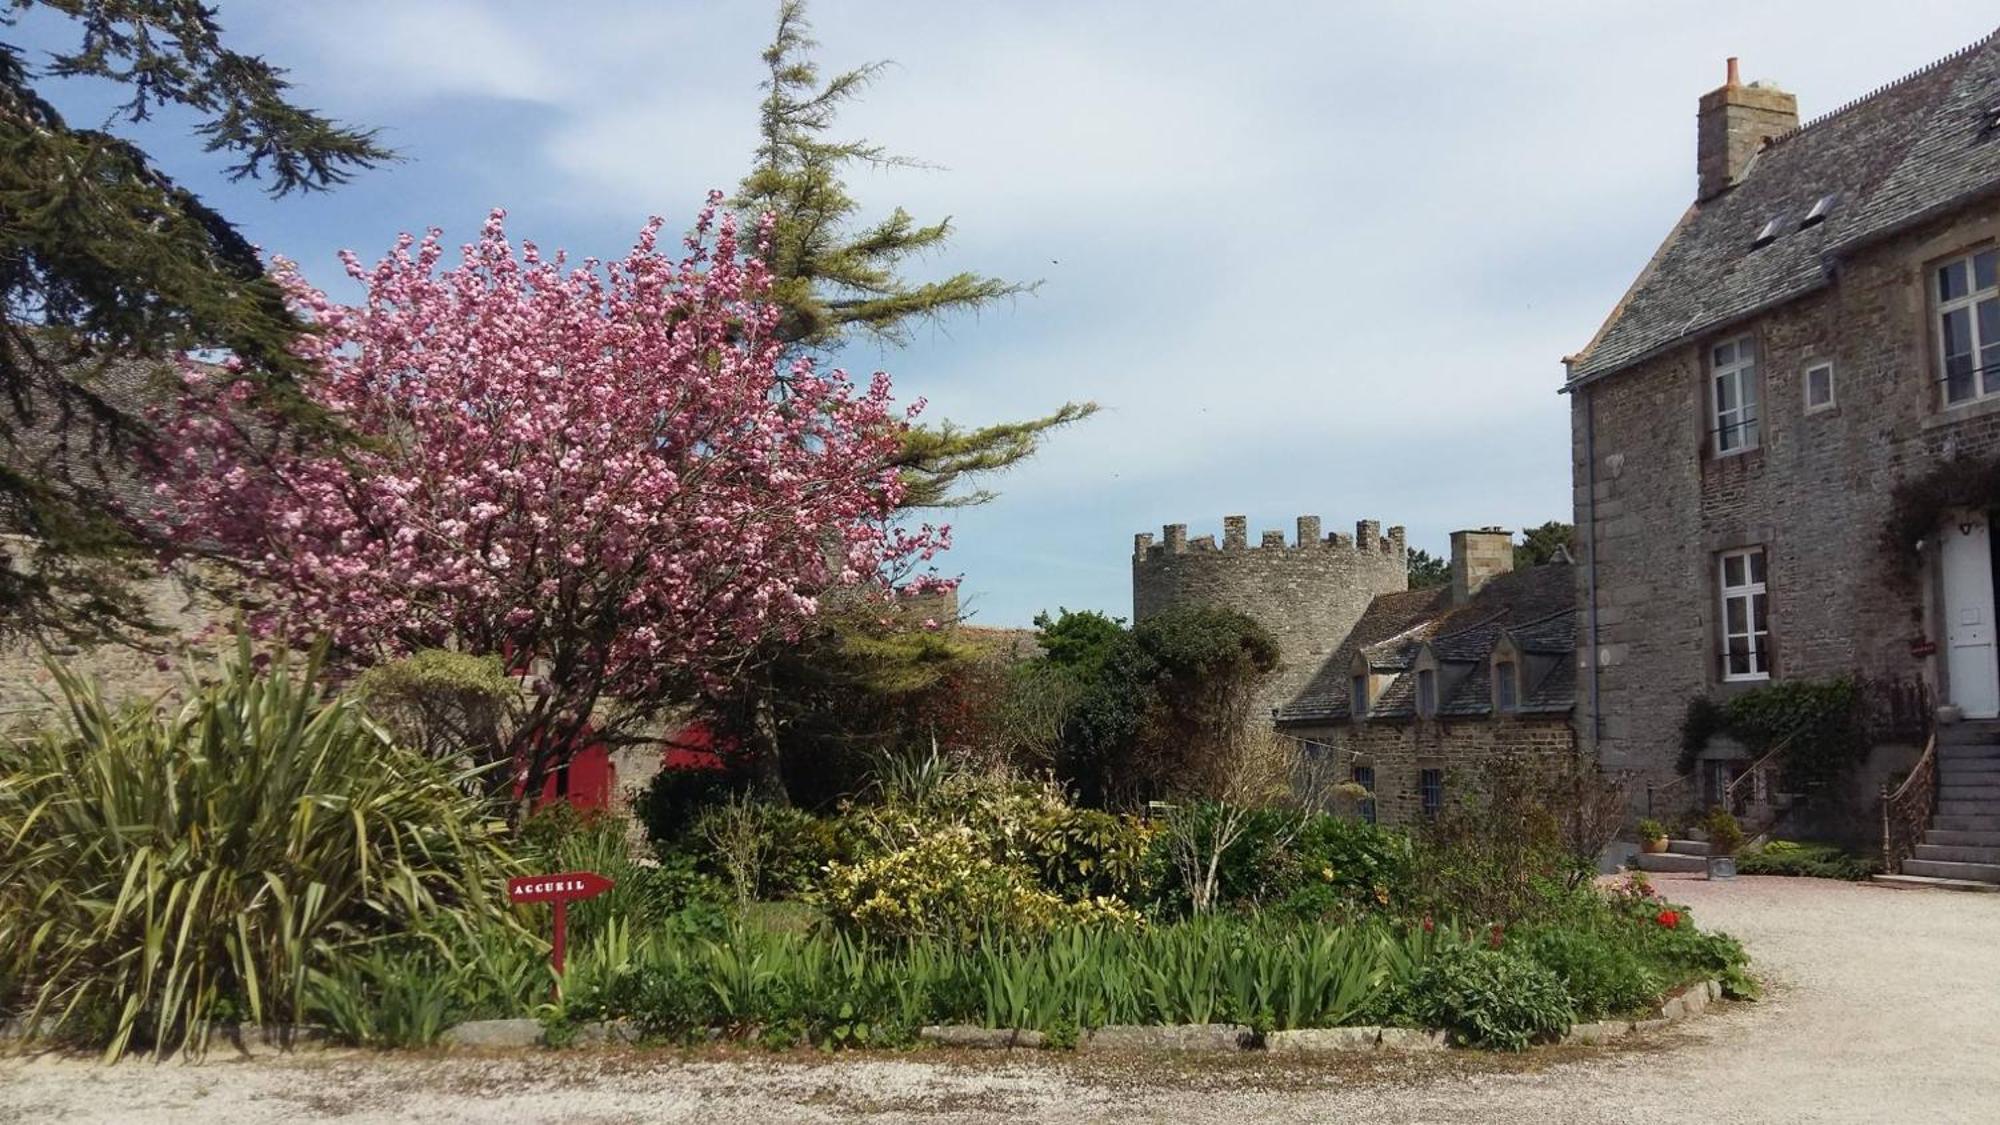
1820	209
1769	234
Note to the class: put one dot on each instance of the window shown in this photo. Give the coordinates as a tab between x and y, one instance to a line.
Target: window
1821	207
1733	382
1506	687
1769	234
1427	692
1430	791
1819	387
1357	696
1968	308
1746	621
1364	776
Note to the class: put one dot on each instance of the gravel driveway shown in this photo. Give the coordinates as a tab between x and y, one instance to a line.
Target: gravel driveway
1882	1006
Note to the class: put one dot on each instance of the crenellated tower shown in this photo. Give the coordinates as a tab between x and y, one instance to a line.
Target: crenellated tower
1308	592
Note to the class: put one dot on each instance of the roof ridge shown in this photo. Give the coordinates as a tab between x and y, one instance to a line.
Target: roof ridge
1928	68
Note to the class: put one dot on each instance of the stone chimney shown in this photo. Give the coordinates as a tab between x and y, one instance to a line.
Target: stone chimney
1477	557
1734	122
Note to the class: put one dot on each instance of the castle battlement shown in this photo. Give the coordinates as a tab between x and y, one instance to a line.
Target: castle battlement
1366	540
1308	590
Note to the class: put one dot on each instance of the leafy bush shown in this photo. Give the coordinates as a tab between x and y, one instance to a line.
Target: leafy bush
946	885
1650	829
1601	975
158	870
1819	861
1725	836
1488	998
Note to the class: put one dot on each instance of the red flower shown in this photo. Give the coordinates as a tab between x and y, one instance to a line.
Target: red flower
1671	919
1493	939
1428	924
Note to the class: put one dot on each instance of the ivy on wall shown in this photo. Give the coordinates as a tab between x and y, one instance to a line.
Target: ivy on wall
1918	505
1819	726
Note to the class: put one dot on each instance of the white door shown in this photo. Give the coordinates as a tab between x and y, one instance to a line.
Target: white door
1970	658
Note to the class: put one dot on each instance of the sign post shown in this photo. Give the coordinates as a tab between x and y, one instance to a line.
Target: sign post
558	890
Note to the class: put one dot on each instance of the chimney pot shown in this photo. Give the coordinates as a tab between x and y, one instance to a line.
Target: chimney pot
1734	79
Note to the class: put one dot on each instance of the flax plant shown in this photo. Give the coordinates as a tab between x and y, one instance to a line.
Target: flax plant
166	867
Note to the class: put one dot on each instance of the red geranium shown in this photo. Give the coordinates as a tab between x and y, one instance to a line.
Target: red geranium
1671	919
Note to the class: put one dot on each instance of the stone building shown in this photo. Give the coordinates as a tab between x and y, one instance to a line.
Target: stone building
1819	330
1408	693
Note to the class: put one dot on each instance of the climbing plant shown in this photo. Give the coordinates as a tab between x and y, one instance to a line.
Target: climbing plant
1918	505
1819	728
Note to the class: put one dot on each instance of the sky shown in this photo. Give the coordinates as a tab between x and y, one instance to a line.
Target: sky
1307	258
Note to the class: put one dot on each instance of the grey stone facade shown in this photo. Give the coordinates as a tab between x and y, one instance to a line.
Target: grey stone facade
1656	503
1308	593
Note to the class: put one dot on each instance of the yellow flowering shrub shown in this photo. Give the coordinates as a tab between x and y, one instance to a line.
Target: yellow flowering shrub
947	884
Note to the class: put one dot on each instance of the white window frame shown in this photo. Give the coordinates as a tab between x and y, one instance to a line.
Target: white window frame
1832	395
1745	418
1749	591
1985	375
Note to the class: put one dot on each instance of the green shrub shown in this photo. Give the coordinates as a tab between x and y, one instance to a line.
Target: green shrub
1601	975
1725	836
1818	861
159	868
1488	998
1650	829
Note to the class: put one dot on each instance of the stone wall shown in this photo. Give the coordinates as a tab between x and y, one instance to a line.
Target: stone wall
123	672
1308	593
1814	495
1399	752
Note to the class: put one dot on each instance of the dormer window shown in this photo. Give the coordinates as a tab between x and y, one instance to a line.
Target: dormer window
1821	208
1506	687
1357	695
1769	234
1427	693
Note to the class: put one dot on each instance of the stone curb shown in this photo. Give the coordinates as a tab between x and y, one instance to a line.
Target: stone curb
1169	1037
1691	1001
980	1038
493	1034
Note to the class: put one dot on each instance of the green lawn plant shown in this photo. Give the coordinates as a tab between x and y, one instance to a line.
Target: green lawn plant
165	867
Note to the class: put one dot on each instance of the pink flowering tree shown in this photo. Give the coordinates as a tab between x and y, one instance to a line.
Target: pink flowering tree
607	471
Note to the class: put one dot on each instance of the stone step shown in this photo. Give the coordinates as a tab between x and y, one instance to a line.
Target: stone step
1982	807
1960	790
1670	861
1688	847
1918	882
1968	752
1940	869
1946	838
1949	765
1966	823
1952	853
1972	732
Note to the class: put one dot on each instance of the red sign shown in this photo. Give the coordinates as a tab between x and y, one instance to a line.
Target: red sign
558	889
1923	647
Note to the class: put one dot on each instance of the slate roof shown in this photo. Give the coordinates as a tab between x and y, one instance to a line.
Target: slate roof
1535	607
1899	156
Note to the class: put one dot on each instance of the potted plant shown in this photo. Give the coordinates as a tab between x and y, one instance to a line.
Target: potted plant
1652	836
1724	837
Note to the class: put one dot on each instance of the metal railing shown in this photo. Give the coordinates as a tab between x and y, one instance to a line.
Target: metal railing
1906	813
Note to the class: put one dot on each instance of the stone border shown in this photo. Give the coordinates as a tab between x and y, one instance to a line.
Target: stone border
1146	1038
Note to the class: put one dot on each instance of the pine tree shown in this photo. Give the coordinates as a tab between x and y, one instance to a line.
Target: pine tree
109	269
838	280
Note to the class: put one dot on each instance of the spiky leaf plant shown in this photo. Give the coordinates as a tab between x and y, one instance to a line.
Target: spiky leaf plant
165	868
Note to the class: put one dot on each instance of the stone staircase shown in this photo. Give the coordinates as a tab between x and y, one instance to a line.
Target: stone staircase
1681	855
1961	849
